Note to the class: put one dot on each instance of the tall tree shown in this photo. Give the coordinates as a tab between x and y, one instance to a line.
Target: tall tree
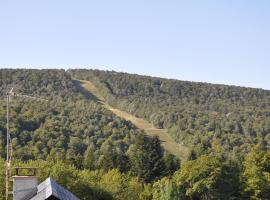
89	158
147	159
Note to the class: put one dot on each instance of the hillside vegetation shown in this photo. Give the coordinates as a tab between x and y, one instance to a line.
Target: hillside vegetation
168	143
74	129
77	139
208	118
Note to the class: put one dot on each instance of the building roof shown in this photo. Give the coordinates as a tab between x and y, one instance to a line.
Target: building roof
49	189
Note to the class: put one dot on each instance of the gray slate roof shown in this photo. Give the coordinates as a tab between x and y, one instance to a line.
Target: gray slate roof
49	188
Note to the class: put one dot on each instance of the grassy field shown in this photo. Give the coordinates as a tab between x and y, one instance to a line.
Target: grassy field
168	143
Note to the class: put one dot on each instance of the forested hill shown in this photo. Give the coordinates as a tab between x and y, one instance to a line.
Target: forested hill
67	126
72	133
86	148
206	117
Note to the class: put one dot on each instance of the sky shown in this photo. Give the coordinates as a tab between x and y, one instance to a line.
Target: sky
225	41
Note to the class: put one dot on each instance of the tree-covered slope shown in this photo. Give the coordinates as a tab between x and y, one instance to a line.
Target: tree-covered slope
73	128
169	145
207	117
70	126
86	148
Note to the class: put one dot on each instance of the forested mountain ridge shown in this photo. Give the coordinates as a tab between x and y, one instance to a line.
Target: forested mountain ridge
206	117
97	155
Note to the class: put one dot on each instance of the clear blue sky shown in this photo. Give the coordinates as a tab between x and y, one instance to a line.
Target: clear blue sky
218	41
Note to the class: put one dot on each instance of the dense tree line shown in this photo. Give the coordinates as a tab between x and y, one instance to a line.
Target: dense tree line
73	128
67	126
45	83
86	184
205	178
208	177
97	155
206	117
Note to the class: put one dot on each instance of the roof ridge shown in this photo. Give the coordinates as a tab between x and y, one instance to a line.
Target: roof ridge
50	187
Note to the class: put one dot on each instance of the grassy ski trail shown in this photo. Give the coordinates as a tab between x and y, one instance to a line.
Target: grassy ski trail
167	142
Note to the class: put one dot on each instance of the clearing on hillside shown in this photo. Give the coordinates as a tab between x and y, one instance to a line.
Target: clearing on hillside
167	142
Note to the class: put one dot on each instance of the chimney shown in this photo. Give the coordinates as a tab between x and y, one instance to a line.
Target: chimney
24	186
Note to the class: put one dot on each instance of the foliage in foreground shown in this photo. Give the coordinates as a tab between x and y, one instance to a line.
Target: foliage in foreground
210	178
86	184
205	178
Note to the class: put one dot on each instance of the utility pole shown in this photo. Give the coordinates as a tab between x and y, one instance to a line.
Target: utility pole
8	138
8	141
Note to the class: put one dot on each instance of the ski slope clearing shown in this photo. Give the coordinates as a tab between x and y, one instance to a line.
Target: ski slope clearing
167	142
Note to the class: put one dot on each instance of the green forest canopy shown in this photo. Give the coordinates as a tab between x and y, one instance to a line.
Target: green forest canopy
73	134
204	116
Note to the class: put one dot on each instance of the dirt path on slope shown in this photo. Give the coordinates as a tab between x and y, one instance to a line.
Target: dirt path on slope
167	142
